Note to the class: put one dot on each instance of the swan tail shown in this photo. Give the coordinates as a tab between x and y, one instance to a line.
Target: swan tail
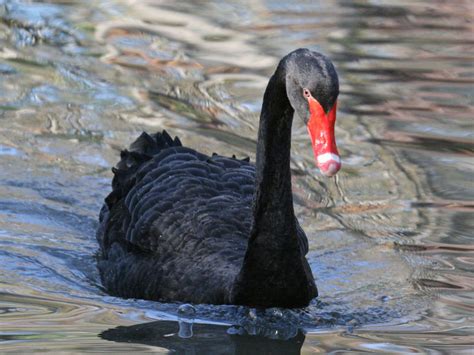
141	150
152	144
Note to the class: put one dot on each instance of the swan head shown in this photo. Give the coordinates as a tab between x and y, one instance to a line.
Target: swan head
312	87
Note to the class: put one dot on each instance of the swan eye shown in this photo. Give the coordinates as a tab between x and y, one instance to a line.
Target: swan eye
306	93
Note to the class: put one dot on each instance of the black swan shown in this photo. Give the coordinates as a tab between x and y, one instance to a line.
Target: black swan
183	226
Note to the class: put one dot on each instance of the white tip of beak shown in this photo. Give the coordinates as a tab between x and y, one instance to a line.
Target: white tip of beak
329	163
326	157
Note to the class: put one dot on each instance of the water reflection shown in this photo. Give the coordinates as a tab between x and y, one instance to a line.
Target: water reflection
206	339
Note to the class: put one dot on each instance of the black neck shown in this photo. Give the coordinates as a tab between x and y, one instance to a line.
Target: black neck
274	271
273	204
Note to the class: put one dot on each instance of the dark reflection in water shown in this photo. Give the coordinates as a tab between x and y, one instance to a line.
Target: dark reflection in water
205	339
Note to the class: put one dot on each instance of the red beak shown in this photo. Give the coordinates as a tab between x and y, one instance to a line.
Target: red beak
321	130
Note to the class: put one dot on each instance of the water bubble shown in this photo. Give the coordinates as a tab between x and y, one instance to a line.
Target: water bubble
186	312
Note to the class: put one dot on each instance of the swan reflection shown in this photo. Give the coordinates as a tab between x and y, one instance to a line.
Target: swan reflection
186	337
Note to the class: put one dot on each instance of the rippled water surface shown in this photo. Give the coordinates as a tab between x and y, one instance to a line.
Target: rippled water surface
391	237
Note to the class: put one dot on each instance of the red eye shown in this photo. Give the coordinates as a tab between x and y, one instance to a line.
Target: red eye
306	93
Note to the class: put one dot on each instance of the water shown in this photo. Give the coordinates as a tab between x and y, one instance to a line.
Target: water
390	237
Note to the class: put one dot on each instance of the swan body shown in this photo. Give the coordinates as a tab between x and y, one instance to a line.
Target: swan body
180	225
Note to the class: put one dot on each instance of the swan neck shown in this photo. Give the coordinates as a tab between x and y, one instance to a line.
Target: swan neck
273	203
274	270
